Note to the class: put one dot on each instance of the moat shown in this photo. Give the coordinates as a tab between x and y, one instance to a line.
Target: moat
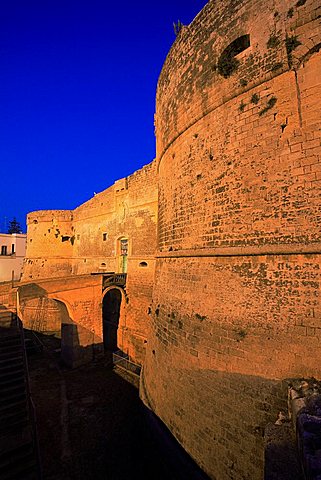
91	423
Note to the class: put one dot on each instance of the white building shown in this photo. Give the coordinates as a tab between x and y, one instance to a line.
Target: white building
12	254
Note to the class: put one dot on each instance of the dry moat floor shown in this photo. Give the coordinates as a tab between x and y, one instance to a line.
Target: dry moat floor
90	422
92	426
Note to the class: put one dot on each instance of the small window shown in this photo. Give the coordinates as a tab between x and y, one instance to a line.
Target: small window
143	264
13	248
4	250
105	236
227	63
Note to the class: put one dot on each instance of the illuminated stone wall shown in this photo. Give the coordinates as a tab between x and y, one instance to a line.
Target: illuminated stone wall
236	303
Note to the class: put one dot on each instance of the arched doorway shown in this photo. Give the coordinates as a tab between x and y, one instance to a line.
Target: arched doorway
111	312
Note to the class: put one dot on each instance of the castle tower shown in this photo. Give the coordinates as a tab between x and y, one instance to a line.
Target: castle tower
236	304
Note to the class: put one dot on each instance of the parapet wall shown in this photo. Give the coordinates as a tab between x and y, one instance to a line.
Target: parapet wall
236	302
49	244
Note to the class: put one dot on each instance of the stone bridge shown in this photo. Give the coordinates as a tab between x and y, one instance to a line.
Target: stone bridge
70	306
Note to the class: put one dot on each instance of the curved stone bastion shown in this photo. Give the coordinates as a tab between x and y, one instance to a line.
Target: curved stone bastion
236	301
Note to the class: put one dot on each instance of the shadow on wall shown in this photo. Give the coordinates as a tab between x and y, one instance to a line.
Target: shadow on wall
32	290
237	436
78	344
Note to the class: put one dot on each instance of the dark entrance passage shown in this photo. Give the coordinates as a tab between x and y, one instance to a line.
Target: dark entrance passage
111	311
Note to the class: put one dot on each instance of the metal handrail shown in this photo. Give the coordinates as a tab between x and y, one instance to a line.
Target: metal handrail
114	279
121	359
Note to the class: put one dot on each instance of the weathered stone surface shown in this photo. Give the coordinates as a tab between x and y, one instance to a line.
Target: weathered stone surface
234	292
236	303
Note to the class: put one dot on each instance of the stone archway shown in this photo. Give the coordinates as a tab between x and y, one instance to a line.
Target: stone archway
111	314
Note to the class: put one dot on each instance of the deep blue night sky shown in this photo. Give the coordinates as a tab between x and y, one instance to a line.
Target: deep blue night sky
77	98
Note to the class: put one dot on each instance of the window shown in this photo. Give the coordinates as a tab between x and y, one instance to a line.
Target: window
3	249
227	63
105	236
12	248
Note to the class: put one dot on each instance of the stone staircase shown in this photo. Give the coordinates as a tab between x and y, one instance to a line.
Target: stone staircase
19	458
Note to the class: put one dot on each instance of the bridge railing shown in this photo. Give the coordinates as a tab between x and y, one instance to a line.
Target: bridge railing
118	279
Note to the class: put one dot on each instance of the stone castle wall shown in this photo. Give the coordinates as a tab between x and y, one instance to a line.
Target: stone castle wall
236	302
234	289
86	240
49	249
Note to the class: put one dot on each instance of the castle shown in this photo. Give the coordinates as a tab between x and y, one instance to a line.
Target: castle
204	265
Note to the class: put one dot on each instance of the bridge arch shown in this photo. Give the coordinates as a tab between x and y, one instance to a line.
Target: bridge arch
70	306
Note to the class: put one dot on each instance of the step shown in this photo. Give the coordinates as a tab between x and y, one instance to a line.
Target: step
24	471
9	397
13	408
17	452
13	403
5	361
11	366
16	380
10	360
11	370
17	352
10	356
12	351
7	347
14	427
18	463
4	377
15	389
12	418
8	333
10	343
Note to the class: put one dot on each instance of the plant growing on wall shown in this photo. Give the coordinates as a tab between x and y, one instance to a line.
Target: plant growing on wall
242	106
291	43
255	98
270	104
273	41
177	27
227	65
